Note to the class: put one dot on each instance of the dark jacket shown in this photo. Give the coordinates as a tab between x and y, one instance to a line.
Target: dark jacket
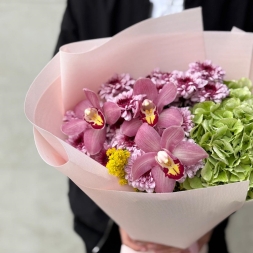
89	19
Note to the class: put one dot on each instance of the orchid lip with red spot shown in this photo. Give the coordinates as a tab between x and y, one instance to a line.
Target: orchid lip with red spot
152	107
149	113
94	118
90	113
171	167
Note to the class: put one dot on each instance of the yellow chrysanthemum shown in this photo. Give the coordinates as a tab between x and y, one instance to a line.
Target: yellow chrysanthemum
117	160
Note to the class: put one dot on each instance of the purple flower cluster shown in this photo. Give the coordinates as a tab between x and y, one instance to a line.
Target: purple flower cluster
159	78
151	119
116	85
201	82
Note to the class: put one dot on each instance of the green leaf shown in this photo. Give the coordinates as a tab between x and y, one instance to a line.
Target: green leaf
206	172
220	154
206	125
222	177
250	195
186	184
195	182
234	178
248	129
220	132
235	84
230	104
228	114
198	118
205	106
246	142
206	139
241	93
251	179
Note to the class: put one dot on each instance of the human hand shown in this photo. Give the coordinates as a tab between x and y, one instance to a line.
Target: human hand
147	246
158	248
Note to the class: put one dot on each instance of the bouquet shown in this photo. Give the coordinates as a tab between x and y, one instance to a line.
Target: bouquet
182	133
168	131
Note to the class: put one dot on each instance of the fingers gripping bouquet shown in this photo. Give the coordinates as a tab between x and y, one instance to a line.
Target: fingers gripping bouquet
169	150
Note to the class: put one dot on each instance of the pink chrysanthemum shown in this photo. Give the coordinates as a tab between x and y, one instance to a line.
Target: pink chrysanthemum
110	132
77	142
69	115
207	70
159	78
121	141
186	83
134	155
129	104
145	182
215	92
191	171
116	85
187	124
214	89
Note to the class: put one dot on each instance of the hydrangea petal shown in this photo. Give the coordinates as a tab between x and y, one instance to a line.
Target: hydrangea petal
189	153
143	164
170	117
171	137
145	86
162	183
112	112
92	97
166	96
148	139
73	127
130	128
94	140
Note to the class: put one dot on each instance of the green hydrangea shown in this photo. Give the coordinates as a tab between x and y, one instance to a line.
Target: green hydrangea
225	131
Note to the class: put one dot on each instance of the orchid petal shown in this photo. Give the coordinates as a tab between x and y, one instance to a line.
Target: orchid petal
92	97
112	112
130	128
162	183
171	137
94	140
167	95
148	139
170	117
189	153
145	86
143	164
80	108
73	127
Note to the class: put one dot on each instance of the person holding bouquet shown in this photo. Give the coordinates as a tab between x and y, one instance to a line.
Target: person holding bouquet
90	19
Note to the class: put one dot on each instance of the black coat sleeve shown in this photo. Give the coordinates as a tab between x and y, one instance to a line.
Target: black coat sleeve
222	15
92	19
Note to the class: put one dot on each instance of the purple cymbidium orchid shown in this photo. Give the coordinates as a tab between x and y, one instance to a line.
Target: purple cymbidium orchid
151	109
165	156
91	120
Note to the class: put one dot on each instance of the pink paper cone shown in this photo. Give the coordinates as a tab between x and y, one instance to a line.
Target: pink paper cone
184	216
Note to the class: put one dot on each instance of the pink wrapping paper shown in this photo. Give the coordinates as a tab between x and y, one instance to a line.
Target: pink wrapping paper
175	219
